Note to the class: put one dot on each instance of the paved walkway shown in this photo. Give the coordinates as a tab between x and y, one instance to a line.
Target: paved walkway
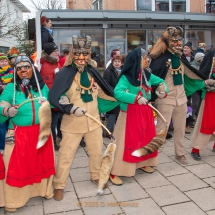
173	189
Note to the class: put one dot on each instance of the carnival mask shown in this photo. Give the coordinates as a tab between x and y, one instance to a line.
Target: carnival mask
24	71
81	50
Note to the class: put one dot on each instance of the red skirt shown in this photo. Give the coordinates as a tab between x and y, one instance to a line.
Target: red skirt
208	121
2	168
139	131
27	164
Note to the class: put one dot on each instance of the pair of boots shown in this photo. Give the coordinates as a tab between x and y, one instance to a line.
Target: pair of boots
195	153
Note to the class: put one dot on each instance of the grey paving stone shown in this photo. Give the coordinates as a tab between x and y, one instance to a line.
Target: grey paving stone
87	188
143	206
202	170
163	158
35	201
169	151
210	181
69	186
80	174
169	169
80	162
80	152
32	210
77	212
167	143
151	180
187	182
188	208
1	211
166	195
210	160
100	205
211	212
204	198
210	145
69	202
128	192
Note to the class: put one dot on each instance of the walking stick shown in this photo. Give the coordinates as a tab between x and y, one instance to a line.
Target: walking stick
93	118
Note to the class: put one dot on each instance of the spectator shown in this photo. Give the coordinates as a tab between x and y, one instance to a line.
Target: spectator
201	48
115	52
46	31
187	52
63	56
111	75
50	66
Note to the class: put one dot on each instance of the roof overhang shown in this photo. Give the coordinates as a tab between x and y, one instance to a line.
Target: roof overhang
133	16
21	6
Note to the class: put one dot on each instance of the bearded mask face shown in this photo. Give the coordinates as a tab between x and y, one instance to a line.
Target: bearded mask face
81	50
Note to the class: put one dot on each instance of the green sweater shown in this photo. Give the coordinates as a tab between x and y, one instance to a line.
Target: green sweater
126	93
27	113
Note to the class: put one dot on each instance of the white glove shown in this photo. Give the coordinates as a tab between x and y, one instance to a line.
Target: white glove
210	82
160	95
64	100
77	111
142	101
5	104
210	88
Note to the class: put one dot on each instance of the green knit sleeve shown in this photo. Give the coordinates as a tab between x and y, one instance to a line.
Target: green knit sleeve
122	91
7	96
155	80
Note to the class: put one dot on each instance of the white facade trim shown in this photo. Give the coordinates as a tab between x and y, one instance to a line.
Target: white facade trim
38	37
188	6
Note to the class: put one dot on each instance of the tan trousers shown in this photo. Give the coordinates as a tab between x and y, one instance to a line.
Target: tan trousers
68	147
178	115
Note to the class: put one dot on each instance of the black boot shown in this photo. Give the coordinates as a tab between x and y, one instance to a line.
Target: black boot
168	136
82	143
196	156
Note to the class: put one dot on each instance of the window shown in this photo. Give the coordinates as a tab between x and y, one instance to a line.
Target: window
144	5
179	5
210	6
98	5
162	5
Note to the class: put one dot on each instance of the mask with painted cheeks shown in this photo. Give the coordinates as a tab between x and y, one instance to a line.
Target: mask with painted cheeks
24	70
81	57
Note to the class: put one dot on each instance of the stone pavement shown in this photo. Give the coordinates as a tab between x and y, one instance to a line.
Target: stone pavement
173	189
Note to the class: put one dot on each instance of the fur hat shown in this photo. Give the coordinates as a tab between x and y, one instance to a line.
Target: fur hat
49	48
188	44
3	56
199	56
202	46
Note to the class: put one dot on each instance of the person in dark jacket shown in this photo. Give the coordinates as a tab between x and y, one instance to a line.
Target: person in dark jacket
50	66
46	31
188	52
111	75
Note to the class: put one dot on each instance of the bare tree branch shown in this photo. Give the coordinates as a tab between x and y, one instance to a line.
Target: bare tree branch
48	4
10	26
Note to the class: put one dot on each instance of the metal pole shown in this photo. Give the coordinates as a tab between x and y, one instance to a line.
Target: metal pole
38	37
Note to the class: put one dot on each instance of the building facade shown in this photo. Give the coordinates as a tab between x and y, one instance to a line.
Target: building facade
11	15
127	24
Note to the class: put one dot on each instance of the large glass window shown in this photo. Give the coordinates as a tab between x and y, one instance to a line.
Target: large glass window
153	36
144	5
64	40
162	5
179	5
98	5
136	39
210	6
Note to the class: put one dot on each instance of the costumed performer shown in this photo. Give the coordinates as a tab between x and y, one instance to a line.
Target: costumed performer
135	126
78	81
29	171
179	77
204	130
